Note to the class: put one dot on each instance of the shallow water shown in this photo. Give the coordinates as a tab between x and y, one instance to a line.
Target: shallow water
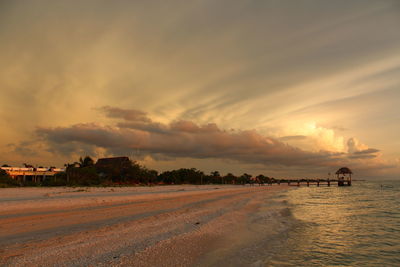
341	226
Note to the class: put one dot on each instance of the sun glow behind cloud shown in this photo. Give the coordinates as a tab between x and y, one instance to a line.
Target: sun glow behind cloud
312	137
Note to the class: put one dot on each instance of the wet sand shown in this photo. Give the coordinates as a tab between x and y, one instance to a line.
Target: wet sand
138	226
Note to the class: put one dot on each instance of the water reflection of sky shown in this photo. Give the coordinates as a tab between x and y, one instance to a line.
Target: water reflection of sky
349	226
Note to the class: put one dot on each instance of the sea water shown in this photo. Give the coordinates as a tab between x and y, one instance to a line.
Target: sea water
355	225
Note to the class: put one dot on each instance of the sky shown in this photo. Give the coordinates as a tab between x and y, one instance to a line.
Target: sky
284	88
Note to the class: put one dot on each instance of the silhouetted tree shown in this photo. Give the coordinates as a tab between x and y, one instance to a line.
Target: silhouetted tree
230	178
68	169
124	171
216	177
261	179
86	162
84	176
245	179
82	172
6	180
181	176
139	174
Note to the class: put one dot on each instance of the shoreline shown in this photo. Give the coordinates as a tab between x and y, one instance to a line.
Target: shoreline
181	225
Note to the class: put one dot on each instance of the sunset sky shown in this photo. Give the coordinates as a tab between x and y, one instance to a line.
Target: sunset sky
284	88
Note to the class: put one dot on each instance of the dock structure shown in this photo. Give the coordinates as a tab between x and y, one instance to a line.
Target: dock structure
343	178
309	182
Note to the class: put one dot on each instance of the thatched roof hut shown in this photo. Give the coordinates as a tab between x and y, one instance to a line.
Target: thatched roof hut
344	170
343	174
116	162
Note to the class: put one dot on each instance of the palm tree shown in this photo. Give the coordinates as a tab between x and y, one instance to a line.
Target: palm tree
68	167
230	178
245	178
261	179
85	162
217	176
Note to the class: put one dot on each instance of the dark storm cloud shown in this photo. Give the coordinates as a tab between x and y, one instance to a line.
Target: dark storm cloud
126	114
153	127
293	138
362	156
24	148
367	151
183	139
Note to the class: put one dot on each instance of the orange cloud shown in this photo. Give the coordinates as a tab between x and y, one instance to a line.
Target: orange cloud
135	131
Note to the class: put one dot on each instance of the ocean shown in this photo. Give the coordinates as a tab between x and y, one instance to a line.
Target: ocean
339	226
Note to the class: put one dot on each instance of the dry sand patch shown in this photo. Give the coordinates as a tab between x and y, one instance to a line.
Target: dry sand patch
159	226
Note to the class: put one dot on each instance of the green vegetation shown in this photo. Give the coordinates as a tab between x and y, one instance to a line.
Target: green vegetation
6	180
123	172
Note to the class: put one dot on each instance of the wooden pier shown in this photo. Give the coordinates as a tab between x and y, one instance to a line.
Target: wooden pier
314	182
343	178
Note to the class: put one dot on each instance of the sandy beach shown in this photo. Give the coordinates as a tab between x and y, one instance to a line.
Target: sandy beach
138	226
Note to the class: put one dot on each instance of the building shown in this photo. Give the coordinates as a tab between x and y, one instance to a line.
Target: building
31	174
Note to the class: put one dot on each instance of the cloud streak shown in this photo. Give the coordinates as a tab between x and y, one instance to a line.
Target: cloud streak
135	131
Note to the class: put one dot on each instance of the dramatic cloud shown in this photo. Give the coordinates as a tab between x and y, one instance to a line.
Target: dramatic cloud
367	151
293	137
126	114
190	140
354	145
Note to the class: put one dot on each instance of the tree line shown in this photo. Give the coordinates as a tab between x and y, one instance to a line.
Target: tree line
86	173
